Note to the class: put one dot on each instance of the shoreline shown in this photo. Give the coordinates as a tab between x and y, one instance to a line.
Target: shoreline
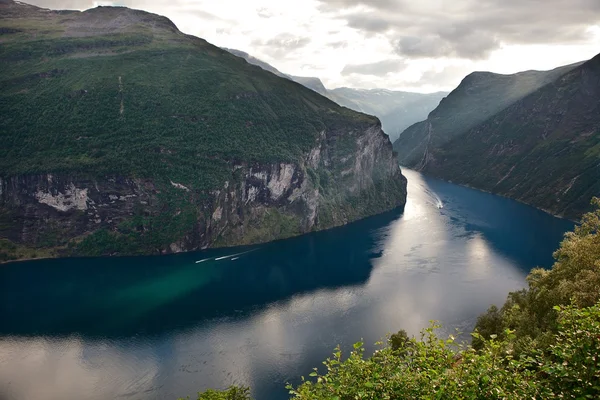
495	194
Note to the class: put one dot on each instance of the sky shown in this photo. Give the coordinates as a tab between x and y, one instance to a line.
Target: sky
414	45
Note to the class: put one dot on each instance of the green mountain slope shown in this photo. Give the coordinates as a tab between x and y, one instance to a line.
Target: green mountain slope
122	135
478	97
396	109
543	150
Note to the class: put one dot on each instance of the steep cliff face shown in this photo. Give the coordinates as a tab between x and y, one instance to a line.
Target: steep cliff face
344	177
122	135
478	97
543	150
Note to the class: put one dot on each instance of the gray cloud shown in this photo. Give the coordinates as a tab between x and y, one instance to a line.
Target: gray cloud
468	29
282	45
472	47
380	68
368	22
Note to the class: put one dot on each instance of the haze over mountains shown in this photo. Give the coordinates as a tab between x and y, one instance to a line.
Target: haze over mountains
122	135
396	109
533	136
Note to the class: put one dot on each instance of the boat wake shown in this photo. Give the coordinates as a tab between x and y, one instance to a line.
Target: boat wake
434	199
233	257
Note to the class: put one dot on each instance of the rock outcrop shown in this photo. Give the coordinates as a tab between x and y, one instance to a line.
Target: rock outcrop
115	215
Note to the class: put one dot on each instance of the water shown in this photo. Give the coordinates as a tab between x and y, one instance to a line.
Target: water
164	327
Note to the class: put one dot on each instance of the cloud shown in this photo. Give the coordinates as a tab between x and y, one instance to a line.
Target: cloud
264	12
368	23
379	68
332	5
282	45
287	41
338	44
432	46
469	29
448	76
344	40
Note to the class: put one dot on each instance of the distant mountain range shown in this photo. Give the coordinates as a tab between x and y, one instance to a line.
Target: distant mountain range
533	136
397	110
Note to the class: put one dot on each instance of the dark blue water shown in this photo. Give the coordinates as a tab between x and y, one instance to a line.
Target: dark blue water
164	327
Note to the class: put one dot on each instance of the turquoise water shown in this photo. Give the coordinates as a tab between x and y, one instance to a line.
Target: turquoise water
165	327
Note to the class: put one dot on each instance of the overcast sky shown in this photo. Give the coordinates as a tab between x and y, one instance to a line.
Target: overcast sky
418	45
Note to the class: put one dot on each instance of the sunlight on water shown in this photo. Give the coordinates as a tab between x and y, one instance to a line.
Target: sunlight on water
166	327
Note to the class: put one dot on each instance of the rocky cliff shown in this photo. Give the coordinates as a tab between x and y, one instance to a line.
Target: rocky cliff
479	96
124	136
543	149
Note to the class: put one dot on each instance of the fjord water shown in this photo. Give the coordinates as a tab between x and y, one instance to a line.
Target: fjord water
164	327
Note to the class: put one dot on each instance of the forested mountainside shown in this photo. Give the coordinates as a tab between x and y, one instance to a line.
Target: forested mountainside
122	135
396	109
541	149
479	96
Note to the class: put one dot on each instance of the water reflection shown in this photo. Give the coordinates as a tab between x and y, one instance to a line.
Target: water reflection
163	327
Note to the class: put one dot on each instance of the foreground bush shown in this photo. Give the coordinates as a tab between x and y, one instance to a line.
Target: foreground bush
433	368
573	279
233	393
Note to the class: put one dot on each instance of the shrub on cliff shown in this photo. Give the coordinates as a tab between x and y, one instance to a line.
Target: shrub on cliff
574	278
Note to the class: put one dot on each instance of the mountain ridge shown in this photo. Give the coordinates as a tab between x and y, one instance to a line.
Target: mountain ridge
401	110
479	96
122	135
540	149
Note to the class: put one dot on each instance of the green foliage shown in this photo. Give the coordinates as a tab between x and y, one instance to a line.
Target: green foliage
10	251
573	279
233	393
573	367
433	368
399	341
146	102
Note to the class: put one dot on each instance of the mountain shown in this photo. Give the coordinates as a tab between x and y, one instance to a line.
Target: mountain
256	61
478	97
122	135
311	83
542	148
397	110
